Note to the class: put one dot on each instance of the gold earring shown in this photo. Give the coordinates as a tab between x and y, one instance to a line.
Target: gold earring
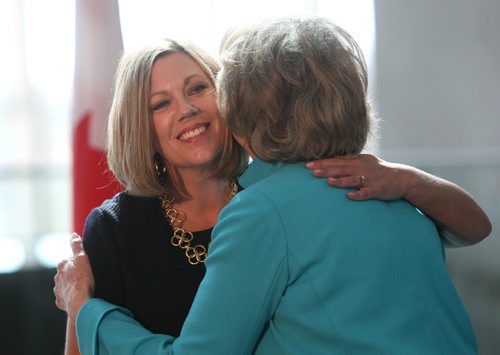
160	168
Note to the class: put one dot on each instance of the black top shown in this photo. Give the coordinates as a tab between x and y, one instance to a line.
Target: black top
135	266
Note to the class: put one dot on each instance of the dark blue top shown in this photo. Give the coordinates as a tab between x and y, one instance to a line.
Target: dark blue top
135	266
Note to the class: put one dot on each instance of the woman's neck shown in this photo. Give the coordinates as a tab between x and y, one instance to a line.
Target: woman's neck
208	197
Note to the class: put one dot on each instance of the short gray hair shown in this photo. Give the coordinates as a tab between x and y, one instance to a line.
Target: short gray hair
295	89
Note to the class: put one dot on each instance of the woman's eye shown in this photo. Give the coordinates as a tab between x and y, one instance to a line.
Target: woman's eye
197	89
160	105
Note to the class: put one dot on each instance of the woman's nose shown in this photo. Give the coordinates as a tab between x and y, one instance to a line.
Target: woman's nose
187	108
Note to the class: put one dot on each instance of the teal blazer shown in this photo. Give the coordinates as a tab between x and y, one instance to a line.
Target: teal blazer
295	267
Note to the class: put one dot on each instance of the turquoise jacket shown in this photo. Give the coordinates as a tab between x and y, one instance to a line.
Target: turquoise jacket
297	268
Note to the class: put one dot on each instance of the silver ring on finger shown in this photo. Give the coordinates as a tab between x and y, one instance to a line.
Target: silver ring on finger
361	183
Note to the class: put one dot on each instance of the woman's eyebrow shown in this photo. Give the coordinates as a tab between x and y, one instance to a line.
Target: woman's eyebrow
189	77
185	81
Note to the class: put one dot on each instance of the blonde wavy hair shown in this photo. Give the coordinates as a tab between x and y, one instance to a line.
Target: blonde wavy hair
132	143
295	89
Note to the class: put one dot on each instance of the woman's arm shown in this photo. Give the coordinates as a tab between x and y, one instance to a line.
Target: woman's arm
217	308
71	346
460	219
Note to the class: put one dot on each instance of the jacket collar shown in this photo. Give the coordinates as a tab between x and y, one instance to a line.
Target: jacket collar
258	170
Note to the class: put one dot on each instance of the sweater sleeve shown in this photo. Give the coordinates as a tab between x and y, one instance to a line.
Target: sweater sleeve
246	275
99	241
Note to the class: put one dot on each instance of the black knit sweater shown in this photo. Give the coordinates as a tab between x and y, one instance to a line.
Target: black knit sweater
127	240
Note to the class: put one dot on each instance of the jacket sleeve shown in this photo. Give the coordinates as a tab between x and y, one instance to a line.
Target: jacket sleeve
246	276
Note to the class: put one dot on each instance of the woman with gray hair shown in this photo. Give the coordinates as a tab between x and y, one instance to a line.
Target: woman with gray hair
290	270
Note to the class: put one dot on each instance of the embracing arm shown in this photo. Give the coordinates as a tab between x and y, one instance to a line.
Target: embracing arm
460	219
240	266
71	346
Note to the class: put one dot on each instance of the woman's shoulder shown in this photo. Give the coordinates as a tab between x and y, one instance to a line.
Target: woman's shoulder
123	203
119	210
108	210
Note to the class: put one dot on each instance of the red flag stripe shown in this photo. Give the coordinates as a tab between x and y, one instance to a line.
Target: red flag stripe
98	46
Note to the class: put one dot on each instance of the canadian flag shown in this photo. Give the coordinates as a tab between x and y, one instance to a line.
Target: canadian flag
98	47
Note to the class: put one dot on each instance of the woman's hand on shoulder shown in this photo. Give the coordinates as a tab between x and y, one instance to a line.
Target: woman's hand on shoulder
373	177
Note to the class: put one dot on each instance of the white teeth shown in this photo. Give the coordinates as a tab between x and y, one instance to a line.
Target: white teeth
193	133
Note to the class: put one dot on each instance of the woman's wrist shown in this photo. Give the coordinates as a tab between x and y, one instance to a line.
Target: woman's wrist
76	305
414	184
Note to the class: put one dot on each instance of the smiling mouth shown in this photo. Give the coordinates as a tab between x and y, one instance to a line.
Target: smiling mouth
193	133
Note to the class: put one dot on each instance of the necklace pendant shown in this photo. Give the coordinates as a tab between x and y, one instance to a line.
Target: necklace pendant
196	255
182	238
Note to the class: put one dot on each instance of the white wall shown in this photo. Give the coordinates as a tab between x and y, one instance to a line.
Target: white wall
438	93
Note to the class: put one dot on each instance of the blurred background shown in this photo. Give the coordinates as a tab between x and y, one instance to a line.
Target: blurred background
435	83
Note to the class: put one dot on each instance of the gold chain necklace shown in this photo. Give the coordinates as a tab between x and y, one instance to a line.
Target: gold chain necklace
182	238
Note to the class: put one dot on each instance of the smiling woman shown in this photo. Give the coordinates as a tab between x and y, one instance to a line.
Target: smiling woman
187	124
169	148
